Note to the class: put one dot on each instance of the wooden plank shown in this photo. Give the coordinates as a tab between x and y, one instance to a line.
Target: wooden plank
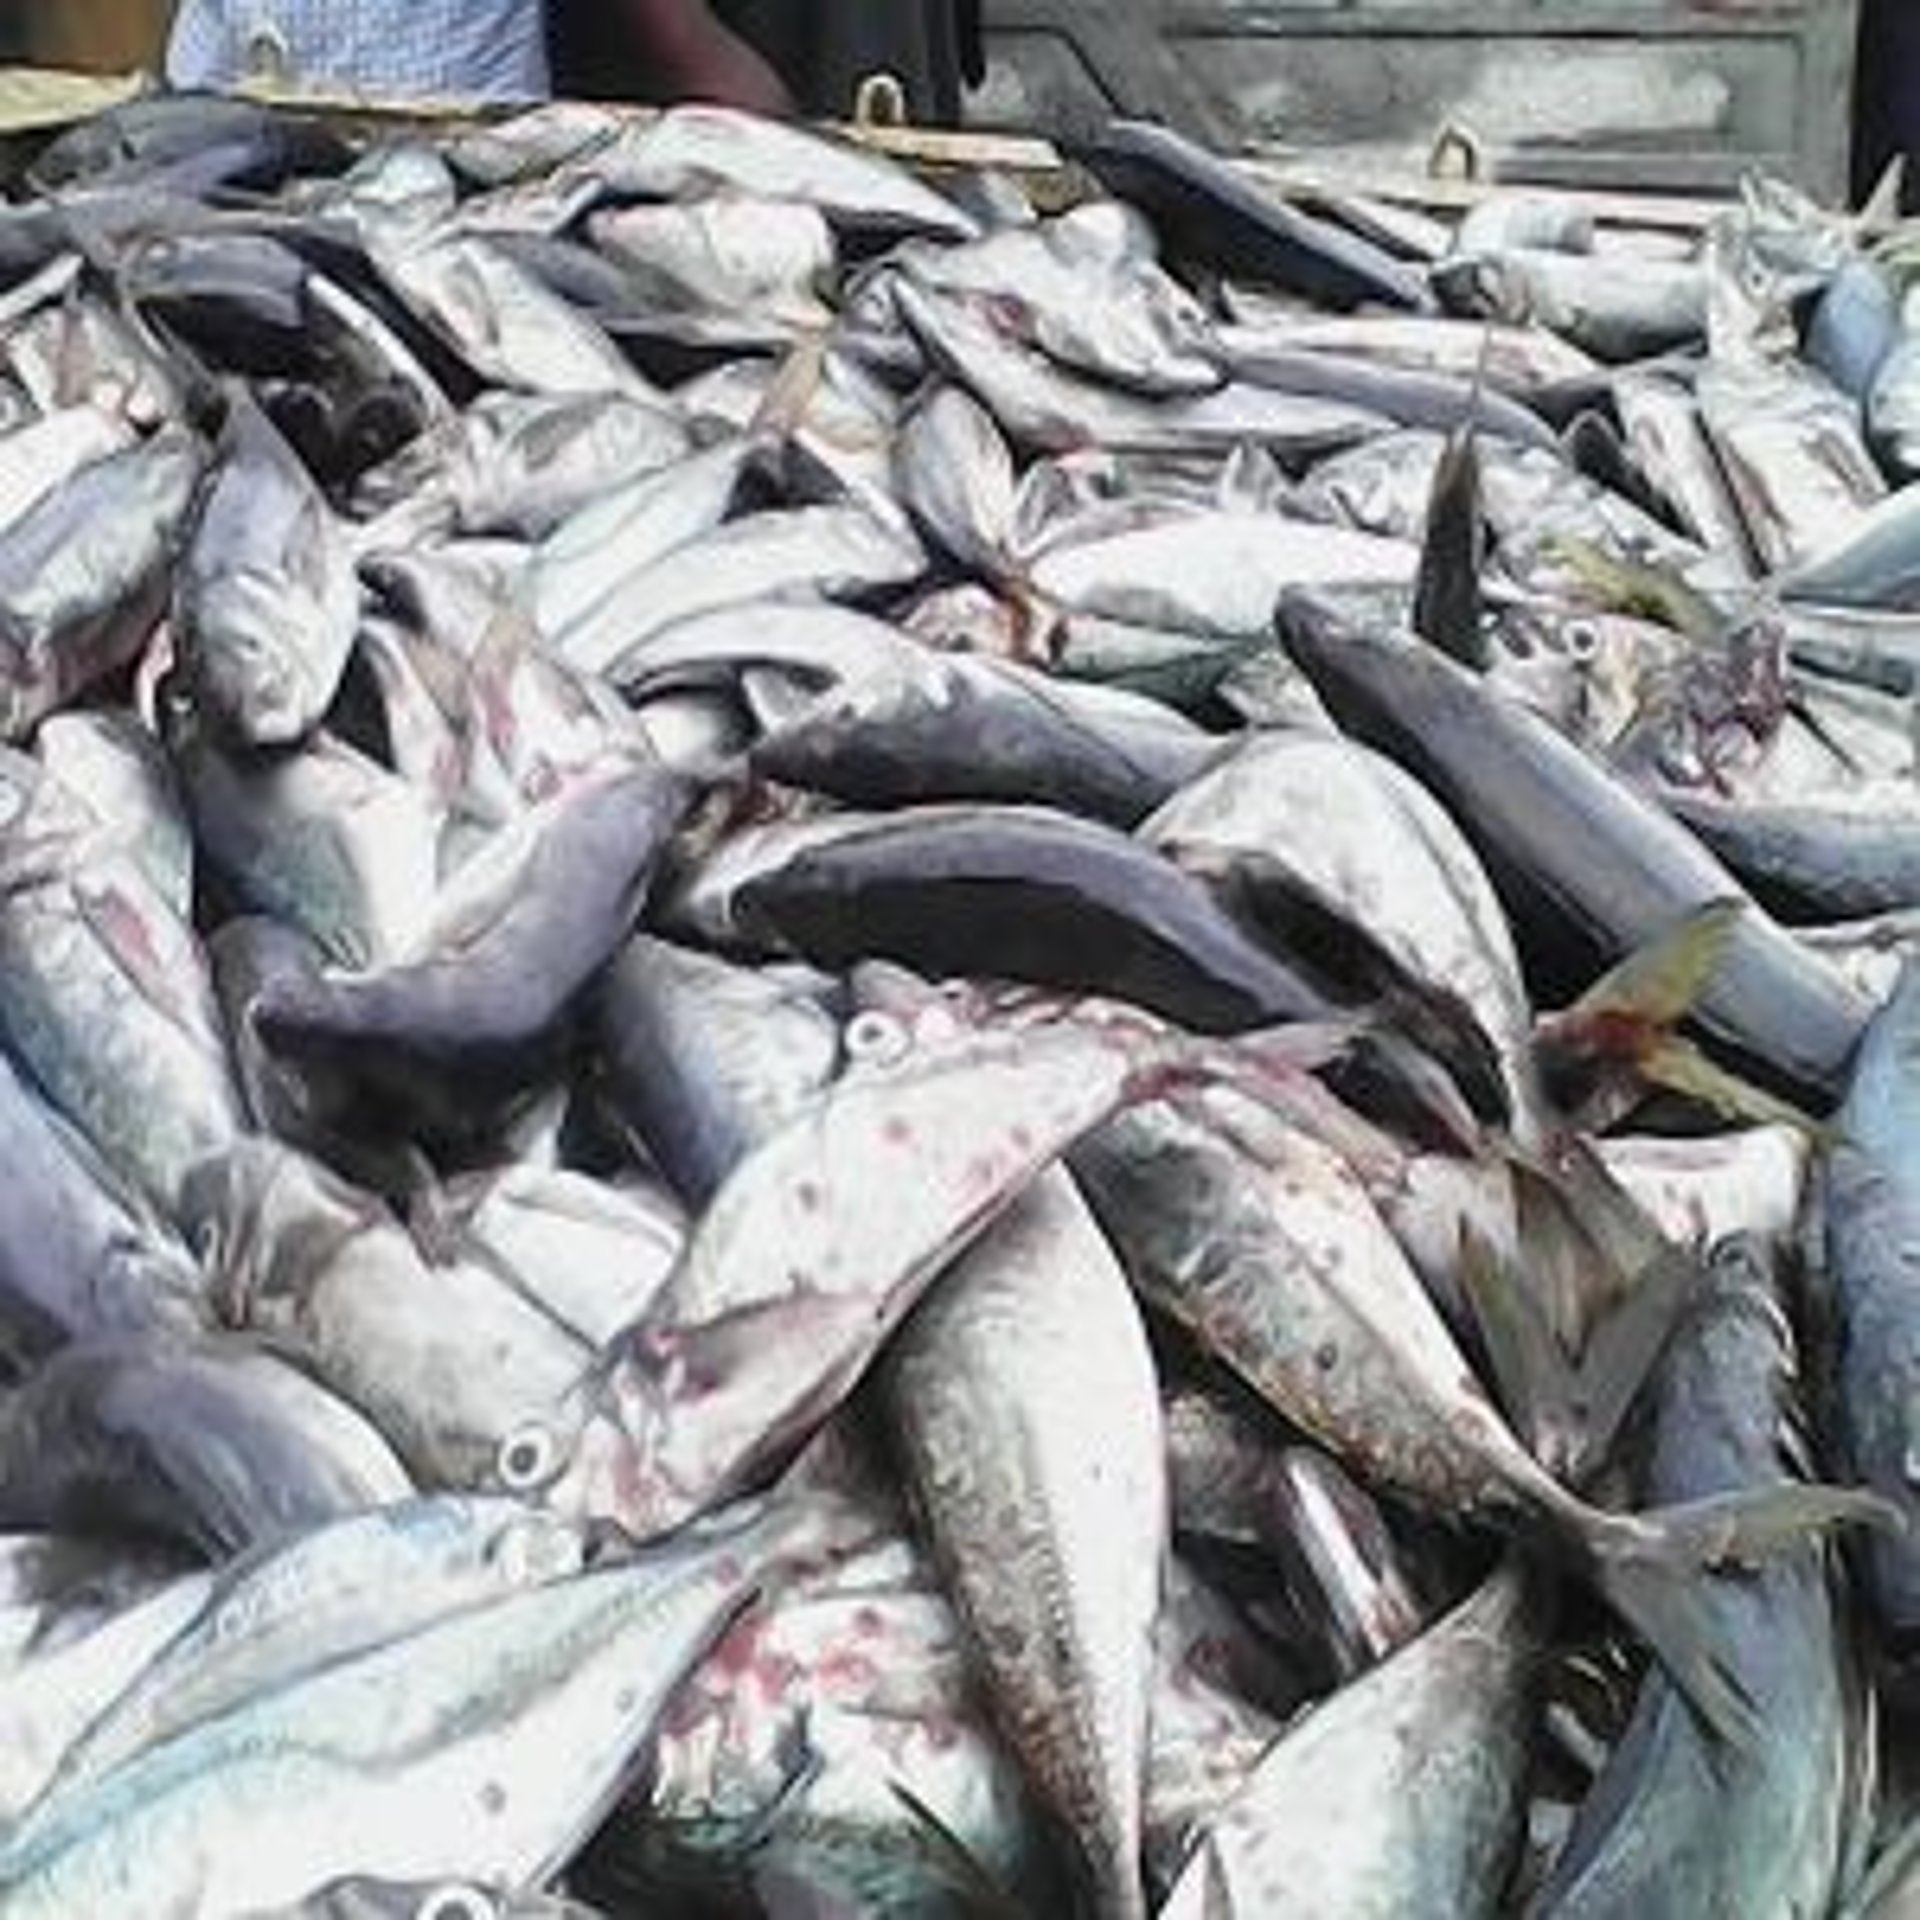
1304	174
42	100
977	148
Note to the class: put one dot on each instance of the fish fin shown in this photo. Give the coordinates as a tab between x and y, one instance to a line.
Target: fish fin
1654	1569
1637	587
1743	1531
1880	211
1446	600
1625	1345
1681	1067
1576	1183
1658	983
439	1229
982	1892
1533	1377
1616	1026
1573	1345
1662	1601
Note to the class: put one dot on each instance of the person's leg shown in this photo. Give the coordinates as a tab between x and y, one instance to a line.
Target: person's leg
1886	116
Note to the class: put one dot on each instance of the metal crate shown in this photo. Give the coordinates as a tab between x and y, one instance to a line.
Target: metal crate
1678	96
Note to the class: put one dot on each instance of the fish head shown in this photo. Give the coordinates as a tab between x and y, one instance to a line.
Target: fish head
257	641
677	1418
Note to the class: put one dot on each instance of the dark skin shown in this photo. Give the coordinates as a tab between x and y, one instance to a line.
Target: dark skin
691	56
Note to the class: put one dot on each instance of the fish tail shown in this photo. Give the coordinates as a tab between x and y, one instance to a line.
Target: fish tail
1569	1398
1656	1570
1625	1025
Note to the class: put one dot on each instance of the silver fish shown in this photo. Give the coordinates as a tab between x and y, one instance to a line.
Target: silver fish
286	1610
513	1721
1402	1794
692	1401
1050	1529
1220	573
695	150
763	258
1616	309
107	998
83	574
267	599
502	320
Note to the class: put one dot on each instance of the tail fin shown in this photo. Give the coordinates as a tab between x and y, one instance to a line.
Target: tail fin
1574	1341
1658	1570
1446	600
1619	1034
1570	1402
1650	592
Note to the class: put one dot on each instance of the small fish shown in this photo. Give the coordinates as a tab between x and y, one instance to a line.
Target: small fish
1404	1793
1668	1825
1027	894
267	599
1050	1529
84	574
788	1285
691	150
550	910
1617	309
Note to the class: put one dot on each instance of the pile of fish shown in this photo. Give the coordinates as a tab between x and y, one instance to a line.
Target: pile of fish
879	1044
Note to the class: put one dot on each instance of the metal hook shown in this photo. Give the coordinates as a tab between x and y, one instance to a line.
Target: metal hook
266	57
881	101
1458	153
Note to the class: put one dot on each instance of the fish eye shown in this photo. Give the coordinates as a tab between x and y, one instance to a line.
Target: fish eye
457	1903
877	1038
529	1457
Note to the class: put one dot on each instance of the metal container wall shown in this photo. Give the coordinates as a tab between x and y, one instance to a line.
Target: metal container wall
1682	94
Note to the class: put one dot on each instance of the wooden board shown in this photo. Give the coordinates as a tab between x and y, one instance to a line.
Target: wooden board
43	99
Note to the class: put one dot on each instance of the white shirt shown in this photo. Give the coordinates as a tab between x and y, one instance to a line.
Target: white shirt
469	49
